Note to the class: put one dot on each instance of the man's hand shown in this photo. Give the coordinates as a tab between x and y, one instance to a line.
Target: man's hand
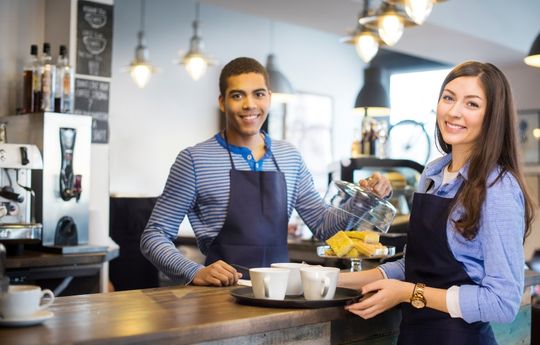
377	184
218	274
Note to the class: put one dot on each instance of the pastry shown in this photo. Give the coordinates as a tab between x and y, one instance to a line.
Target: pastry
340	243
354	244
367	236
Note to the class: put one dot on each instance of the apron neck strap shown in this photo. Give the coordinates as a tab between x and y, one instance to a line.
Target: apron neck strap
275	162
228	149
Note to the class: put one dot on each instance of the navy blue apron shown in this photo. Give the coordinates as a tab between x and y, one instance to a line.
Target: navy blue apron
430	260
255	230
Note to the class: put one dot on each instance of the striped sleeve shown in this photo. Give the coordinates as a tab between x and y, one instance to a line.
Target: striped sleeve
320	218
178	197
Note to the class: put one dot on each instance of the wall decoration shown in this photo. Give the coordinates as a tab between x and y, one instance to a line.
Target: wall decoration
92	98
94	38
529	135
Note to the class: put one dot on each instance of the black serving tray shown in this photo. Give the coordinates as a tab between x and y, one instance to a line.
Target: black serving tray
343	296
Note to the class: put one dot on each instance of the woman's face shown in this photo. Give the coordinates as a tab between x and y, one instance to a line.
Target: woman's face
460	113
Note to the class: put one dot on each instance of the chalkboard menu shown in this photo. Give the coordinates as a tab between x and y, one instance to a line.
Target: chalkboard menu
92	98
94	38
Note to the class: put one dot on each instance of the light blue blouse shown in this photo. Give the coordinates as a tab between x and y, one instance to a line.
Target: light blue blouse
494	259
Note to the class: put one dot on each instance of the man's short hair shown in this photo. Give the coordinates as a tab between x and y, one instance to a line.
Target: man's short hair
239	66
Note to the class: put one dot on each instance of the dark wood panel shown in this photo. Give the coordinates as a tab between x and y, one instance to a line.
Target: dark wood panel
31	258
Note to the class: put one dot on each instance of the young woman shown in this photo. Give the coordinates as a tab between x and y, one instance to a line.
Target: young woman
463	265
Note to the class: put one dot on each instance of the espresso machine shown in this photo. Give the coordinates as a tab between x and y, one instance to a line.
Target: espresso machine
63	186
17	197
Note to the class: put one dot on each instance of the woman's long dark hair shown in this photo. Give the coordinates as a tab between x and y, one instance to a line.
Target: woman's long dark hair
497	144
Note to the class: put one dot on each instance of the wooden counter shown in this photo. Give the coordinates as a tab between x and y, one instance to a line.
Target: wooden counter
179	315
186	315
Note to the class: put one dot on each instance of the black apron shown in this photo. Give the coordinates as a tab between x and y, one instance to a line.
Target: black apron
255	230
430	260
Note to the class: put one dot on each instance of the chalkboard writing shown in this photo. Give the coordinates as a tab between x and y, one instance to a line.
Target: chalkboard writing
94	38
92	98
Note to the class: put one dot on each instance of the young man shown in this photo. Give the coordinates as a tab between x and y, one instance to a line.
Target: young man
238	190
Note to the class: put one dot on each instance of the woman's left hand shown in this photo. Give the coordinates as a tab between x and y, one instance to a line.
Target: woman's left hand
381	295
378	184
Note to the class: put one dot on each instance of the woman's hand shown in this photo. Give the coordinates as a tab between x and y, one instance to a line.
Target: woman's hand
378	184
380	296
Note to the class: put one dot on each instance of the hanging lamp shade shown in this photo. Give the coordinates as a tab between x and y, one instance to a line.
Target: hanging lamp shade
373	99
389	21
533	59
195	61
282	90
417	10
365	40
140	68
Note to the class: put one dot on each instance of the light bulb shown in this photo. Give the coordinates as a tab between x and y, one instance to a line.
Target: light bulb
366	46
418	10
533	60
141	74
390	28
196	66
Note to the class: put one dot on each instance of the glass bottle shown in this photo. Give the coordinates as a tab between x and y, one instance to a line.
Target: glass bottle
366	136
356	147
48	75
29	84
63	101
373	138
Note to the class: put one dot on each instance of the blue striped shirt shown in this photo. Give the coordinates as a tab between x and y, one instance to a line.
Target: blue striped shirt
198	186
494	259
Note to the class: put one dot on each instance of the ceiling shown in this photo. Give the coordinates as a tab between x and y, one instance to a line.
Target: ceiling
497	31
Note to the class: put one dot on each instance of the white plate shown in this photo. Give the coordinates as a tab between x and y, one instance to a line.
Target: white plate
322	249
34	319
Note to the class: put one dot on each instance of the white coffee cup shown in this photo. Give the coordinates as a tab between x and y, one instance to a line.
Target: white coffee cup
294	287
269	282
24	300
319	282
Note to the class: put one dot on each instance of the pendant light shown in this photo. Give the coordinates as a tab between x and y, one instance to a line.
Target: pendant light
385	24
195	62
140	68
365	39
533	59
373	100
280	86
418	10
389	21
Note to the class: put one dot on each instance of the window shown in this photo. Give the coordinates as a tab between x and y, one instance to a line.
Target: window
413	96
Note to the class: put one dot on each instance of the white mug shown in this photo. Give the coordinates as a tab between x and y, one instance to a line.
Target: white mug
24	300
294	287
269	282
319	282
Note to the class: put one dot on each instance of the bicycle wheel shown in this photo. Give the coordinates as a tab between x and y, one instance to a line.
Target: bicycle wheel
408	139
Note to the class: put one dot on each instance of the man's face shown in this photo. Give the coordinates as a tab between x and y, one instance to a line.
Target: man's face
246	103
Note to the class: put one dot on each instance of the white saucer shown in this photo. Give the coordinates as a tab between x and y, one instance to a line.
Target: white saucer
34	319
